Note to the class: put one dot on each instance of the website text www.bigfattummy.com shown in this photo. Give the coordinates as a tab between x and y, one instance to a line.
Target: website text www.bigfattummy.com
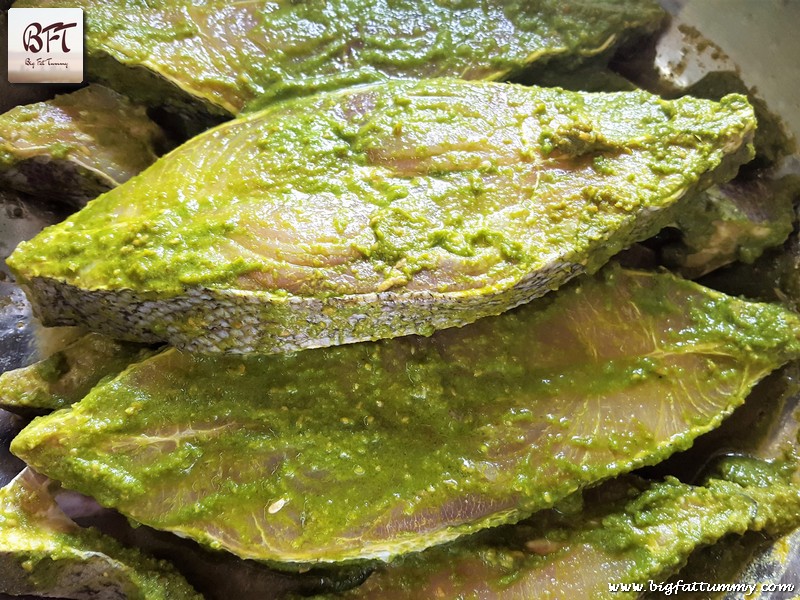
674	587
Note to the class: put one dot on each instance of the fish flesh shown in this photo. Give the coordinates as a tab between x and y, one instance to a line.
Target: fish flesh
379	211
44	553
76	146
373	450
630	535
218	58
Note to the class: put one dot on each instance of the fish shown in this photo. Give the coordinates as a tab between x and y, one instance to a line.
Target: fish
76	146
773	276
735	221
217	59
67	375
45	553
370	451
629	535
764	428
379	211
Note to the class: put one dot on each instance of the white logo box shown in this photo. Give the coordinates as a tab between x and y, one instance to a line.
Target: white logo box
45	45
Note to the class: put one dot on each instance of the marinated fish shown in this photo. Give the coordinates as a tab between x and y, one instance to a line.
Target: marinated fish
44	553
628	537
76	146
66	376
734	221
373	450
765	427
217	58
376	212
772	141
774	276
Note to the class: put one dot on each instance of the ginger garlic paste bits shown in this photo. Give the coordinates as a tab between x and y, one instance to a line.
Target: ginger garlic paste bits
403	207
371	450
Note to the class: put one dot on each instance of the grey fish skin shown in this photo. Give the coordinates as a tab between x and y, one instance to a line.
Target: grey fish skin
76	146
218	58
44	553
369	451
375	212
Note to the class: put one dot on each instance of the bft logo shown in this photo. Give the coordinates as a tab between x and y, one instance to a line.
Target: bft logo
33	42
45	45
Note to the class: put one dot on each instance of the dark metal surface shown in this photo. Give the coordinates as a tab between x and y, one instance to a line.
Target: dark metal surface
21	217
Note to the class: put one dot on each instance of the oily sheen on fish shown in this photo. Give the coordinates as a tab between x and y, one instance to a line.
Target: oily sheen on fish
379	211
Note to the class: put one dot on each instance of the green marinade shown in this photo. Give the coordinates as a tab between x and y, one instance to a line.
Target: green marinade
399	208
222	57
373	450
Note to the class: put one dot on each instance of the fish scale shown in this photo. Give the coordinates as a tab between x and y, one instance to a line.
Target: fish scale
368	451
262	236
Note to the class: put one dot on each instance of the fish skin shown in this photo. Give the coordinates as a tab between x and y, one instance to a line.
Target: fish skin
76	146
502	417
220	58
376	231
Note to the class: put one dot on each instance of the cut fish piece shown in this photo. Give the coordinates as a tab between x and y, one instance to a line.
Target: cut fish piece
376	212
373	450
68	375
774	276
44	553
765	427
772	141
733	221
76	146
217	57
630	535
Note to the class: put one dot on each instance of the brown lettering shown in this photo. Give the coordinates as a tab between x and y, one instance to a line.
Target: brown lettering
32	36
